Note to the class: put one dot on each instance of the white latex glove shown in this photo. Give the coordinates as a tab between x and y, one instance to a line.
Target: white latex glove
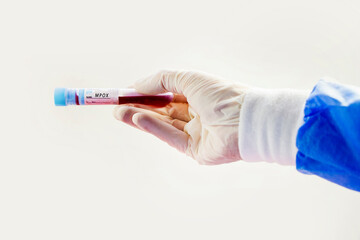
216	122
203	120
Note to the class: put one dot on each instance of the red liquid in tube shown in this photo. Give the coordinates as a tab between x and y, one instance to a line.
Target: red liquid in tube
155	101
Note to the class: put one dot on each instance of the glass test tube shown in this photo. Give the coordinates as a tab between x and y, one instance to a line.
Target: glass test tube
108	96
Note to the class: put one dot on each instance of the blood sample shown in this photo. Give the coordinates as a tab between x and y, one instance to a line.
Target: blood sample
108	96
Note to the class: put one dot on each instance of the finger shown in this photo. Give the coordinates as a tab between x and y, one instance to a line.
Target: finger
126	113
154	84
168	133
162	111
178	111
179	98
177	123
166	81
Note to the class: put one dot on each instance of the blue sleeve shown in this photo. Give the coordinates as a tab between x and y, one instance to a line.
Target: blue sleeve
329	140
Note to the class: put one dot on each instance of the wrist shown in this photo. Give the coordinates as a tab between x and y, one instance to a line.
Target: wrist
269	121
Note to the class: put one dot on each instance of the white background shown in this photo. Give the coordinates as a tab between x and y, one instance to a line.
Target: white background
77	173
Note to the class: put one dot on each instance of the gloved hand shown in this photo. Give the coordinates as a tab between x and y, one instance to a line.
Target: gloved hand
202	121
217	122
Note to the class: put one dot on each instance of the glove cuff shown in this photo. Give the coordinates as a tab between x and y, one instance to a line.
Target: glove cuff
269	121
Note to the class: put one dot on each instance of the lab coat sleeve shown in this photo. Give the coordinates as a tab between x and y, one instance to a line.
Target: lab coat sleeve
269	122
328	141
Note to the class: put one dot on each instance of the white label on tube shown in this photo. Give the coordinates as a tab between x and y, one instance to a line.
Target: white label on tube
96	96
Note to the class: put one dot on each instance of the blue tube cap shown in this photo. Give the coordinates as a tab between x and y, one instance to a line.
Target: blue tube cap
60	96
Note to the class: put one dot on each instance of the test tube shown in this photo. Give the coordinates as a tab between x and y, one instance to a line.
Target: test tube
108	96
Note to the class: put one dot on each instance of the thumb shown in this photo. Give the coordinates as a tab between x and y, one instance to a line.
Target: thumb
165	81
